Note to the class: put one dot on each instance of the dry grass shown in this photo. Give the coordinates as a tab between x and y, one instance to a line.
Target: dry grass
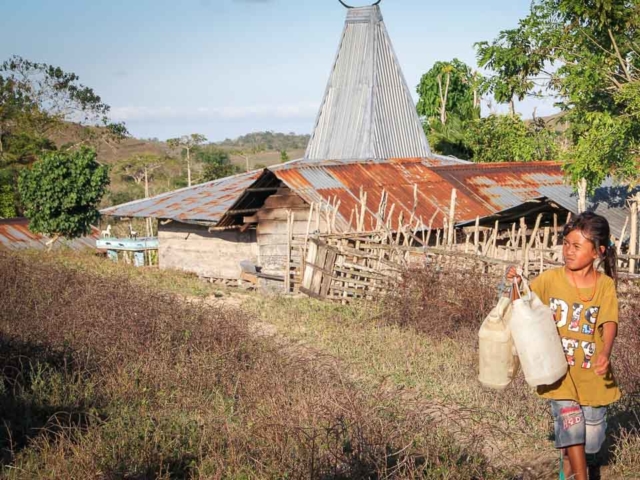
108	378
424	337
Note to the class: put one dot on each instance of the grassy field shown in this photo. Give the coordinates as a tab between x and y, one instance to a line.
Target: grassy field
116	372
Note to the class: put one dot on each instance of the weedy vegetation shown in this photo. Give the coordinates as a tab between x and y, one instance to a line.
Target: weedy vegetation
111	372
103	377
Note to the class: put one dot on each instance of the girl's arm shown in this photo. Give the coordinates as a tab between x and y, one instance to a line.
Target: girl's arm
609	332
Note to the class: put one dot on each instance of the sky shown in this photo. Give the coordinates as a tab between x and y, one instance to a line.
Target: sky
224	68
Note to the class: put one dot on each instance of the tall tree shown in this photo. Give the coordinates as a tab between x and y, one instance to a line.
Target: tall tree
187	144
139	168
595	47
449	88
507	138
62	191
217	163
37	101
37	98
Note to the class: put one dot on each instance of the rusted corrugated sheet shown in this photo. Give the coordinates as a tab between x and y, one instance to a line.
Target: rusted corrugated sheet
413	189
206	202
420	191
502	185
15	235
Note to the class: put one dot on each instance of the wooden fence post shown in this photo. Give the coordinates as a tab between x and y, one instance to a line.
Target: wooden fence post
633	233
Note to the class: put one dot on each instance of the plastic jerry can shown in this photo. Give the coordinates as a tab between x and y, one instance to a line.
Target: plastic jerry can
537	340
498	360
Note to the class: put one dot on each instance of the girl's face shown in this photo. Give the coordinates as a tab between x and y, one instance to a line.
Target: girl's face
579	252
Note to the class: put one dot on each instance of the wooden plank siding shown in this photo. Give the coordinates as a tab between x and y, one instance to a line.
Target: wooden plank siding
272	230
209	254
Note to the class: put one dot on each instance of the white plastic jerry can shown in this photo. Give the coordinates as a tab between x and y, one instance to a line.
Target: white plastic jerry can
498	360
537	340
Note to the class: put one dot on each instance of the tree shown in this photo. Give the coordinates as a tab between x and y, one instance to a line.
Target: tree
61	193
283	156
517	58
506	138
37	101
217	164
597	79
450	88
187	143
139	168
37	98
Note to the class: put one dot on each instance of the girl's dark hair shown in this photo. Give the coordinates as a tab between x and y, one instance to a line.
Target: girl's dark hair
595	228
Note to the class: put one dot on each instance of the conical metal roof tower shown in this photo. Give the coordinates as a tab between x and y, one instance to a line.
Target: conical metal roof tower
367	112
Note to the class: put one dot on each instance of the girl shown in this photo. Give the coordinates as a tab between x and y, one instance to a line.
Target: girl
585	309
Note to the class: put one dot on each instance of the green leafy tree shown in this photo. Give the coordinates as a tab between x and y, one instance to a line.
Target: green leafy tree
594	46
187	144
217	164
449	88
139	169
518	57
8	196
506	138
283	156
450	138
37	102
36	99
62	191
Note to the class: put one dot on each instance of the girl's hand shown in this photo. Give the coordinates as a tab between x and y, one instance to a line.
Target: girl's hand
602	364
512	272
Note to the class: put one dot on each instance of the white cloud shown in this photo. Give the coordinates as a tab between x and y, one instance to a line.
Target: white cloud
303	110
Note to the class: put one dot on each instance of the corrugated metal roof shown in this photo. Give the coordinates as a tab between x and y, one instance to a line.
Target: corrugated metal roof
482	189
500	186
15	235
367	111
206	202
608	200
411	187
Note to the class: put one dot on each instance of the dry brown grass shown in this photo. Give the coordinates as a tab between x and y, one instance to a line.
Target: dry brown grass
106	378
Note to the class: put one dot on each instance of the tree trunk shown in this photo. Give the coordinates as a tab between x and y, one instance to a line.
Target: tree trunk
582	195
188	167
146	183
633	234
512	107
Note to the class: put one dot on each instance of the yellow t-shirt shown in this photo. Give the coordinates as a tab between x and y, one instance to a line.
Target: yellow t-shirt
580	326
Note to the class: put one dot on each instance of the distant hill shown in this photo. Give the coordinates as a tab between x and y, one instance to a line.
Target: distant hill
268	141
113	152
262	149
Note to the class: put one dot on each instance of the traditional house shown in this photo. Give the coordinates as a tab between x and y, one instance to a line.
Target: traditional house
368	166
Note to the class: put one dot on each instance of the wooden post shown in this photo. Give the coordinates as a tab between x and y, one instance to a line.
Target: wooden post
452	216
633	232
525	260
287	267
476	234
624	230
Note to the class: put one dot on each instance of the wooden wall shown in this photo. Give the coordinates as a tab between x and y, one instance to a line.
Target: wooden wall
209	254
272	229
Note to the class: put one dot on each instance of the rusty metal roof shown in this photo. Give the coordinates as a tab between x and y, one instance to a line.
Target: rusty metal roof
205	203
411	189
420	191
15	235
416	189
367	111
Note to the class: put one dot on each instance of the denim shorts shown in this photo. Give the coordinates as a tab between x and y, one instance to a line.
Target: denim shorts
575	424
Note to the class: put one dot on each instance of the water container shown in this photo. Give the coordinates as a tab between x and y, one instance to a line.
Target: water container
537	340
498	362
